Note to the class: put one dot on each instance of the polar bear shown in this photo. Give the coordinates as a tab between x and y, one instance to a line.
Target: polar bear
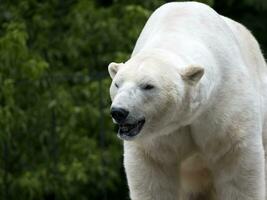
193	95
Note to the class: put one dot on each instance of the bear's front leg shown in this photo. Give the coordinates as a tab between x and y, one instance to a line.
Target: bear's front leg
147	178
239	173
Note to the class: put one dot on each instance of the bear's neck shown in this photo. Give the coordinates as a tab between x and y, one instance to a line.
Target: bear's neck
163	148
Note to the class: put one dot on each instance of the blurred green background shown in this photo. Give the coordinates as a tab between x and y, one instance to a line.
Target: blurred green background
57	140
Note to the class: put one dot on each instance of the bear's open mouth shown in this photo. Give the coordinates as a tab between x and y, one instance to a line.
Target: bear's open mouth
128	131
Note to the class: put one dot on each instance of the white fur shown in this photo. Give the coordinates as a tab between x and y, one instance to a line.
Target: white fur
221	115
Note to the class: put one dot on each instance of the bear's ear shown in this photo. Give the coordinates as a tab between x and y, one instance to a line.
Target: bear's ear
192	74
113	68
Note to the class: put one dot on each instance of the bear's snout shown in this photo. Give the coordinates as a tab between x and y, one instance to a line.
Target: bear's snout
119	114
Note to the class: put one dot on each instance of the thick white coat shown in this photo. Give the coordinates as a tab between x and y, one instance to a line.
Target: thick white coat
222	117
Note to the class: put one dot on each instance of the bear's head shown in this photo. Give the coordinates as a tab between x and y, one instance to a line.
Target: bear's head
149	95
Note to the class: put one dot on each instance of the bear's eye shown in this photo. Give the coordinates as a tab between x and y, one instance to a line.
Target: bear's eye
116	85
147	87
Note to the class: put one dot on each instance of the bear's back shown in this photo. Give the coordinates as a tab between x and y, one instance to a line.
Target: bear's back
249	48
166	17
189	28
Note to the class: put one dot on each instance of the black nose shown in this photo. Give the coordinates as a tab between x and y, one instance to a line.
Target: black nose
119	114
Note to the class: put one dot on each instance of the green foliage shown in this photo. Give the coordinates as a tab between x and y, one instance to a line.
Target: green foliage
51	110
56	139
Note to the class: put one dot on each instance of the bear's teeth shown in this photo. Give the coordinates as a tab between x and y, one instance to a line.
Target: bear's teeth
124	128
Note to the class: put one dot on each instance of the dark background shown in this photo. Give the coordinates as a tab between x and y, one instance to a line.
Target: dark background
57	140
